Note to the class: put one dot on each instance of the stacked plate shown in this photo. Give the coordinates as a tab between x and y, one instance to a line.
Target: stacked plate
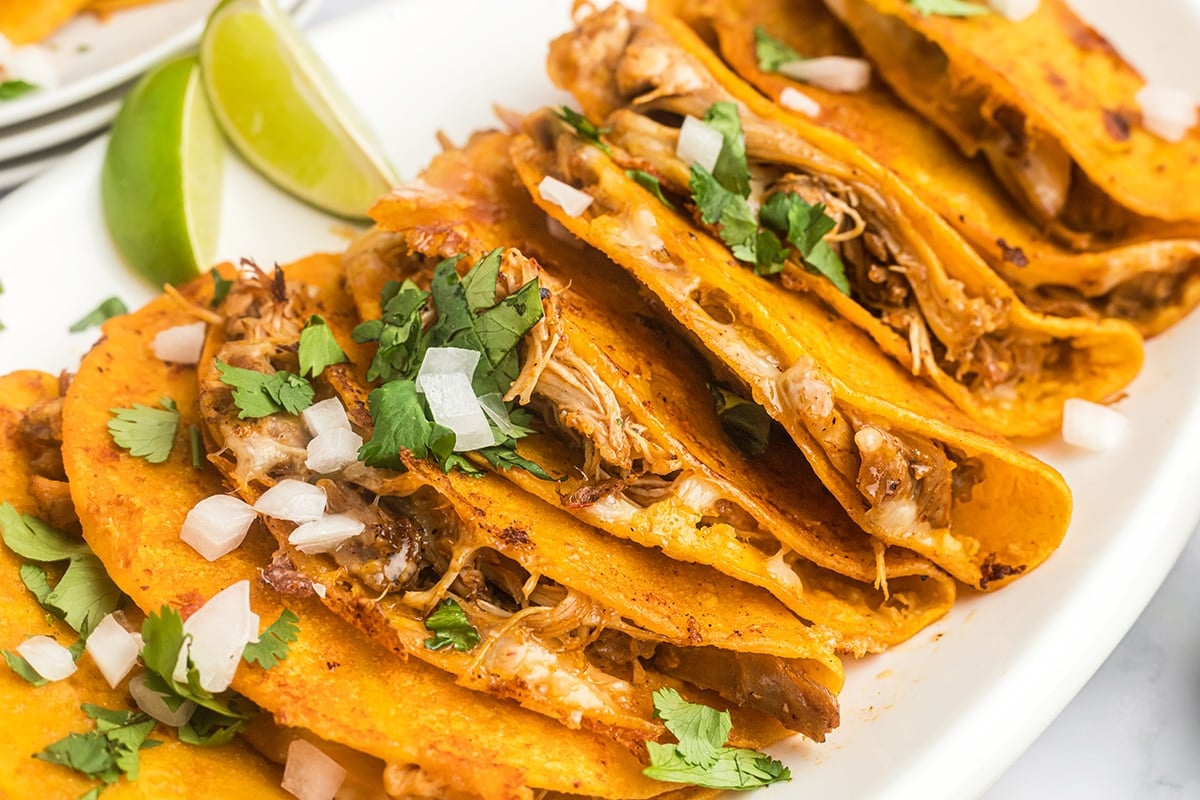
94	63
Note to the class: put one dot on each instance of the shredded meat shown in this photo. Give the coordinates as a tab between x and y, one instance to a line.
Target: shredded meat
895	466
283	577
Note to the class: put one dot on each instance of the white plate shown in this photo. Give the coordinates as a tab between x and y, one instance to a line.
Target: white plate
939	717
36	135
92	56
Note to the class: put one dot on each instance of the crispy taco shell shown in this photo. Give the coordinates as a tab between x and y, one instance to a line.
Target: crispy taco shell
637	396
1048	102
1149	282
918	289
30	21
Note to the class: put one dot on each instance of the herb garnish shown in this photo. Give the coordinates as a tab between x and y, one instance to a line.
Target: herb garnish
107	752
22	668
272	644
701	757
771	52
650	183
451	628
11	90
948	8
146	432
468	316
257	394
746	423
721	198
221	287
318	348
583	126
112	307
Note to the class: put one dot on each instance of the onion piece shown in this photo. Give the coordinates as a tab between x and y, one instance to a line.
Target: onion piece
1091	425
319	589
47	657
1167	112
325	416
493	405
453	404
181	344
797	100
446	361
333	450
114	649
292	500
220	631
699	143
564	195
832	73
1015	10
217	525
309	774
155	703
325	534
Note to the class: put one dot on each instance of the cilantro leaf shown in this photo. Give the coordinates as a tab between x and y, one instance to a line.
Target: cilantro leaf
701	757
29	537
731	169
805	226
771	52
739	229
584	127
398	333
272	645
824	261
479	285
221	287
318	347
35	580
257	394
107	752
504	456
146	432
746	423
502	326
948	8
22	668
208	728
112	307
451	628
84	595
710	196
400	424
650	183
163	640
11	90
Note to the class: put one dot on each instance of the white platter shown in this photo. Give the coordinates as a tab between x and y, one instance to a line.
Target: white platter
940	717
92	56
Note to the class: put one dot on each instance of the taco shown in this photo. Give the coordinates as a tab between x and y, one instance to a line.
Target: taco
907	466
1048	103
627	424
431	738
1149	282
837	225
30	21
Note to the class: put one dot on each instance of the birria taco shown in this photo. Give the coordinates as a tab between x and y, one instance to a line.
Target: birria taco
811	213
626	420
1048	102
1149	282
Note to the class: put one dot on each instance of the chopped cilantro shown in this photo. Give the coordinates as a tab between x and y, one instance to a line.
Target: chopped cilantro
162	641
146	432
650	183
272	645
583	126
804	226
731	168
221	288
107	752
401	346
84	594
701	757
948	8
22	668
35	580
771	52
401	423
746	423
318	349
112	307
11	90
257	394
197	446
450	627
208	728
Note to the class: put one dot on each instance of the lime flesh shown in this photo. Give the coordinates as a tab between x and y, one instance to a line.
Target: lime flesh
160	185
284	113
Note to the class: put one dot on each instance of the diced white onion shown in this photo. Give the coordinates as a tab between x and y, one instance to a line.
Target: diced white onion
325	534
325	416
699	144
220	630
319	589
797	100
446	361
564	195
493	405
453	404
47	657
292	500
832	73
114	649
309	774
180	345
1167	112
1015	10
155	704
217	525
1092	426
333	450
34	64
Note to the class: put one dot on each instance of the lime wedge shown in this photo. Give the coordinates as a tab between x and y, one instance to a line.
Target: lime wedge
285	114
160	186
